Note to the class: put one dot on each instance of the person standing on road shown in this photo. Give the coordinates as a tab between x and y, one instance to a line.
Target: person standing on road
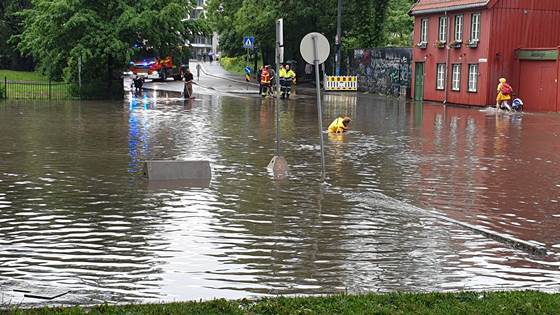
287	76
198	67
188	90
272	85
265	81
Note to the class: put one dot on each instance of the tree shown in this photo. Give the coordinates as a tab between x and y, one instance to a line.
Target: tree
101	35
398	25
11	24
366	23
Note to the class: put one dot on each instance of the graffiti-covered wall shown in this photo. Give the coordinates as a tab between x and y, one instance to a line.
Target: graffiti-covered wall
383	70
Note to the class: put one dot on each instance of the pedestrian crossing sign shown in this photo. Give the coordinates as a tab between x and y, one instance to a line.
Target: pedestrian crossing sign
249	42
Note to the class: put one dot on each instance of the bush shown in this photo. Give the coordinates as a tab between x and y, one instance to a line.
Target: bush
234	64
2	92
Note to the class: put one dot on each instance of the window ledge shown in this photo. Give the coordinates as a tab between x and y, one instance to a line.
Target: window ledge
440	44
422	45
473	43
456	44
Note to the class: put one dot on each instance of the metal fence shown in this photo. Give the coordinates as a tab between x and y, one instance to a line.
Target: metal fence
37	90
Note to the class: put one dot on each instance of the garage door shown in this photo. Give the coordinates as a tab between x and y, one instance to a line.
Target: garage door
537	85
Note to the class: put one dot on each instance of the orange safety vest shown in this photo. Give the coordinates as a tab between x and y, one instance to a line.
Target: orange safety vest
265	77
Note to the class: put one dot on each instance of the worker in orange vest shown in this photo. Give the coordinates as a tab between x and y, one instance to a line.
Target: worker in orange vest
265	81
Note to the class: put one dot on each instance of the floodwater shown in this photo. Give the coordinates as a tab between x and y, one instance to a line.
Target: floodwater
77	213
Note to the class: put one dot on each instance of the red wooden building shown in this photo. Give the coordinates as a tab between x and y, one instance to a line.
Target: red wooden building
462	48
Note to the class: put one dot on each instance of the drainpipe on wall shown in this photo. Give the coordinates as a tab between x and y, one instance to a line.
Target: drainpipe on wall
448	49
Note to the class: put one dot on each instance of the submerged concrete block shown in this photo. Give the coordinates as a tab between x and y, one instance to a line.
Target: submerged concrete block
173	170
279	167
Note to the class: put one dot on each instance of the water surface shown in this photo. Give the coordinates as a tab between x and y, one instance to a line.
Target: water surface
76	212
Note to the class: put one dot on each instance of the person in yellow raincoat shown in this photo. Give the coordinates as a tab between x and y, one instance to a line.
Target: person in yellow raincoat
504	94
340	124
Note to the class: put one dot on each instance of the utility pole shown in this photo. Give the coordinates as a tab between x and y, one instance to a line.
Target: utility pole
338	37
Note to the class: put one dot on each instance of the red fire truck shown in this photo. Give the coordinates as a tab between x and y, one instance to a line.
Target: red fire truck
157	69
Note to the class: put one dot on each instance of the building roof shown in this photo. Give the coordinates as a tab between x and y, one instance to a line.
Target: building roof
434	6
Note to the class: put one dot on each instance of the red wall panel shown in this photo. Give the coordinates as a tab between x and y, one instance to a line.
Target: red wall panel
514	26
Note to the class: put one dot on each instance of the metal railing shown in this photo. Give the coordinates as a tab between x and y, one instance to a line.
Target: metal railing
37	90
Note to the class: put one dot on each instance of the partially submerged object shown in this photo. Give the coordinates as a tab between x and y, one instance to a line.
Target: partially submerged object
177	173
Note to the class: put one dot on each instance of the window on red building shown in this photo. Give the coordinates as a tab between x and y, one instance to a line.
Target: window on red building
424	31
442	29
458	28
473	78
440	77
475	27
456	79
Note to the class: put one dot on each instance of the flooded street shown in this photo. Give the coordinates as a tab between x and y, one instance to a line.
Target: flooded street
77	213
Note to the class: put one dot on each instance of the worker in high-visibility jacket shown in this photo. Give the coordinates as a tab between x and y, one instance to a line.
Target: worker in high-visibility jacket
287	77
340	124
265	81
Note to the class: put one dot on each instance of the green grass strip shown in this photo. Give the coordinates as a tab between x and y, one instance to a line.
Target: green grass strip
22	76
526	302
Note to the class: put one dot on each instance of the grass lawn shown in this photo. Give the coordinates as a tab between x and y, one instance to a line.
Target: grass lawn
31	85
526	302
21	75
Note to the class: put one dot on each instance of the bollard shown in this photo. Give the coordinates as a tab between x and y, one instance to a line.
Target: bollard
402	93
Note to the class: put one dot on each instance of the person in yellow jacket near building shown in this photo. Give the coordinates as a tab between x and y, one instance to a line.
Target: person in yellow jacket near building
504	95
287	76
340	124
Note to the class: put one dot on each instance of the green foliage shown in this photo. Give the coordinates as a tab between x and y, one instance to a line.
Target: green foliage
11	24
2	92
59	33
365	24
237	64
528	302
233	64
398	25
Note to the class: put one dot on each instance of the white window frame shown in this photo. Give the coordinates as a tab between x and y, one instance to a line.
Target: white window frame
423	30
475	27
473	77
442	35
459	19
456	77
440	76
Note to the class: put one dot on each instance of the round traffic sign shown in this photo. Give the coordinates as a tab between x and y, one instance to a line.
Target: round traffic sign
323	48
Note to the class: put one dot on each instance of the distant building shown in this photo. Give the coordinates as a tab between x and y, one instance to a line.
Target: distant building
203	46
462	47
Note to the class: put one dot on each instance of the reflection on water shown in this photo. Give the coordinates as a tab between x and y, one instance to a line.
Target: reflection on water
75	211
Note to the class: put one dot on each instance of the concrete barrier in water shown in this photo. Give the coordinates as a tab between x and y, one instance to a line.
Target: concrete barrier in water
177	170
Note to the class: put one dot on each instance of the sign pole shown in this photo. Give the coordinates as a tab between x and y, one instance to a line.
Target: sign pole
279	45
278	165
338	37
319	107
